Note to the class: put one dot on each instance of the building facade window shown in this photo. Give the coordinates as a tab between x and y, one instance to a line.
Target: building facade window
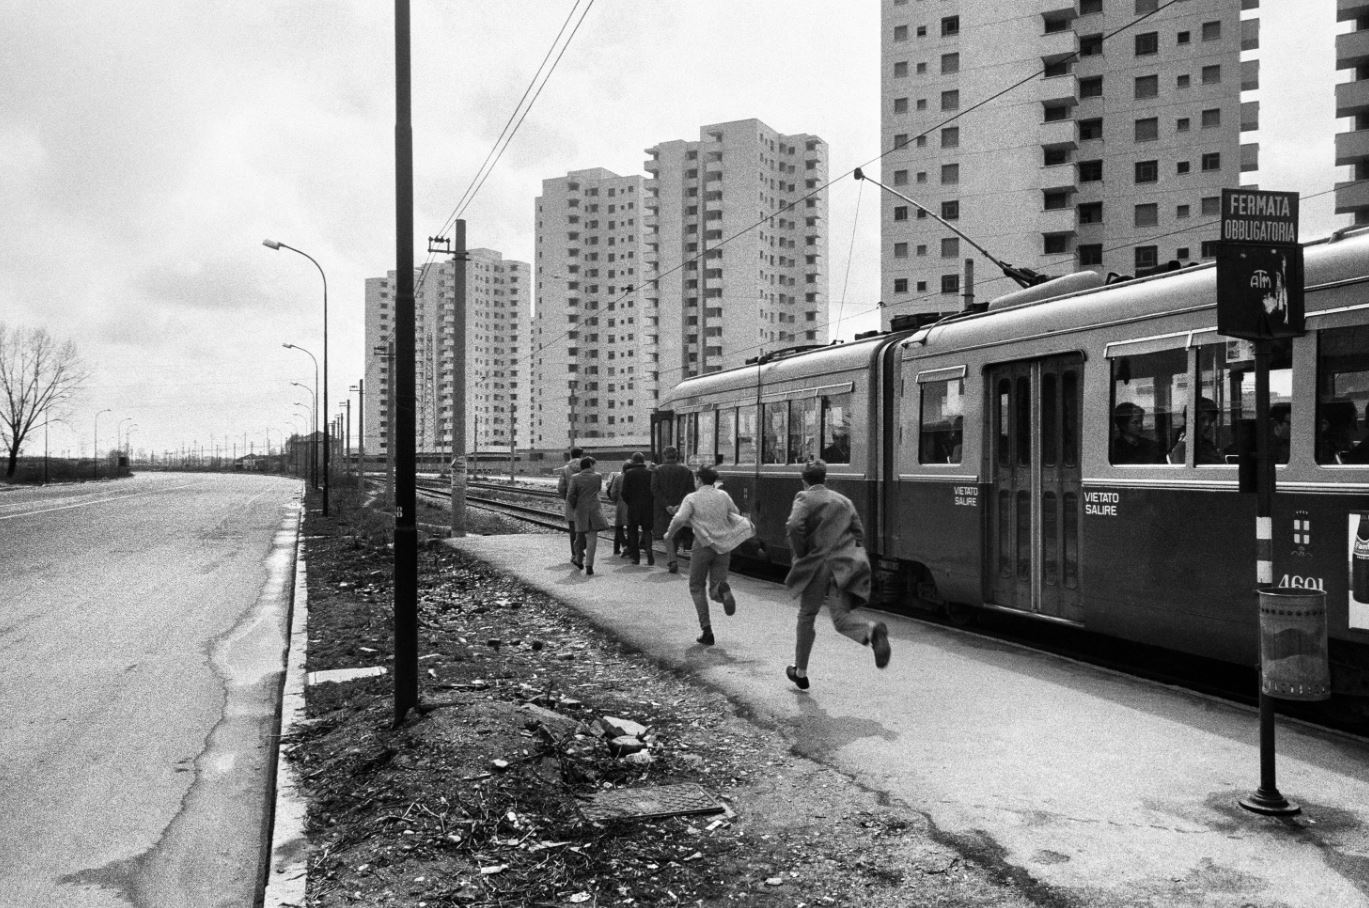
1212	161
950	137
1147	43
1090	254
950	63
950	100
1090	171
1147	87
950	26
1147	171
1147	129
1212	118
1212	75
1147	215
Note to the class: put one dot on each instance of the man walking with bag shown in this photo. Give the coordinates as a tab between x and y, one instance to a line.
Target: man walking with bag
718	529
828	542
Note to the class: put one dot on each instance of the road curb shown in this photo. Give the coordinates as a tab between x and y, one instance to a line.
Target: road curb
288	873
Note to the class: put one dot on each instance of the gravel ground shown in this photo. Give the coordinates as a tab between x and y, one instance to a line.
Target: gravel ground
488	797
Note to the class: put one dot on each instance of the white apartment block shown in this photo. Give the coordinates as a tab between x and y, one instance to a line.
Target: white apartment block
719	255
498	299
1110	155
591	350
737	232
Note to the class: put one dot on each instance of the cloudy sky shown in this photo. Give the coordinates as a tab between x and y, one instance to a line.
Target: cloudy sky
147	147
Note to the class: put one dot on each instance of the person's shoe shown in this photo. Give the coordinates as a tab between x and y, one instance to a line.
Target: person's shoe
589	571
879	642
792	674
673	567
706	638
579	566
729	603
651	560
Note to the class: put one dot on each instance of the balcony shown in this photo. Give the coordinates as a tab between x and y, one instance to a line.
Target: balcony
1056	89
1352	196
1057	132
1058	46
1350	10
1352	49
1057	220
1352	98
1352	147
1058	9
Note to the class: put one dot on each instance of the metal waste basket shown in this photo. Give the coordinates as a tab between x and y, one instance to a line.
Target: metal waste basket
1294	664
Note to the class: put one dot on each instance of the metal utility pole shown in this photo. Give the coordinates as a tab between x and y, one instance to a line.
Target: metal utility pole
406	531
457	248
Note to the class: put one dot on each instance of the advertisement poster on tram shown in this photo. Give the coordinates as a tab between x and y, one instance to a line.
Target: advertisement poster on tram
1359	570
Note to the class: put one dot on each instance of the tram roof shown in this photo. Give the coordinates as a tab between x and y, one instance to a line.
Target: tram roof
785	367
1339	258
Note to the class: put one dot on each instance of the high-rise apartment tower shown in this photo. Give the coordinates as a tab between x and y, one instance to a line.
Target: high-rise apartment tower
1061	136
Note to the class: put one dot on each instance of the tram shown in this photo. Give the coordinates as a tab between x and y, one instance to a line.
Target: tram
1067	453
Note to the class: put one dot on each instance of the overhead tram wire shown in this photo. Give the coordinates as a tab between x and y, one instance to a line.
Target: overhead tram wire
850	251
794	204
506	134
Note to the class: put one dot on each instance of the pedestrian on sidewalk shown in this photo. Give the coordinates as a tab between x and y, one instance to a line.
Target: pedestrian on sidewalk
563	488
637	493
828	542
670	483
718	529
615	495
583	498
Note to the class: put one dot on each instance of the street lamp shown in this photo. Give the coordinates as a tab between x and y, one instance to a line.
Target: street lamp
313	450
273	244
313	418
128	446
97	440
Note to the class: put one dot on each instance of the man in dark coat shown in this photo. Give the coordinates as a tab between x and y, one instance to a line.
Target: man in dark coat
670	483
828	541
563	488
636	491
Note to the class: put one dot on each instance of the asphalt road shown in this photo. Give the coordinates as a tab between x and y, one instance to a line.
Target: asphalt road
142	632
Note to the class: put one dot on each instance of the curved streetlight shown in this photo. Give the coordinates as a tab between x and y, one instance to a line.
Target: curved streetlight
274	244
313	450
97	440
313	419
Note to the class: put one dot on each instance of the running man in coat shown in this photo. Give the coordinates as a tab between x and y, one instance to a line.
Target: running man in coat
670	483
582	496
828	542
718	529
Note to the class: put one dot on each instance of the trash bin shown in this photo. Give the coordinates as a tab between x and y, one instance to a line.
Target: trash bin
1294	664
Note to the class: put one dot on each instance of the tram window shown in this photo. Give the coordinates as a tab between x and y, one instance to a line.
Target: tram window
1343	395
746	434
803	430
727	436
1050	424
1001	421
836	428
776	433
1226	396
1149	396
707	437
1069	417
1022	421
687	436
942	414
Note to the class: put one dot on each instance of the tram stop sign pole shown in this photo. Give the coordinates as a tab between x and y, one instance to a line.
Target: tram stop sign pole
1260	298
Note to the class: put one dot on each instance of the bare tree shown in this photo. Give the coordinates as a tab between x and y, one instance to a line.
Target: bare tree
36	374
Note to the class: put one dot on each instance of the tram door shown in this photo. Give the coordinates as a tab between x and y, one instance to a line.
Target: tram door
1034	432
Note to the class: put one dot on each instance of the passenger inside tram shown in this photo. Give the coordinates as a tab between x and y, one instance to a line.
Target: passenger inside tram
1206	451
1130	444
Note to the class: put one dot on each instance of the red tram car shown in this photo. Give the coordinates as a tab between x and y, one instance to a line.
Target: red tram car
1069	455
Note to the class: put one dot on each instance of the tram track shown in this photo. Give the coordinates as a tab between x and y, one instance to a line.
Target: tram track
1202	677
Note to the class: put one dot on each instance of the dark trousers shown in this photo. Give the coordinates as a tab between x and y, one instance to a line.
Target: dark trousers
619	538
639	541
574	550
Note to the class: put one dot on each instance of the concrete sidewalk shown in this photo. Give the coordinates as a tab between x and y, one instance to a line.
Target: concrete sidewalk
1104	789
